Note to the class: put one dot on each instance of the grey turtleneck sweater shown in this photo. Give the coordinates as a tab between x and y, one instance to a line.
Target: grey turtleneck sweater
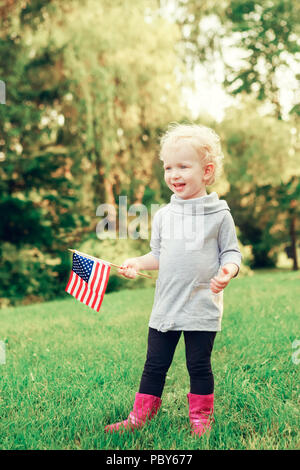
192	239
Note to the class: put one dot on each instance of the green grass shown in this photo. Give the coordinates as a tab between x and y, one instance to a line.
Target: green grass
70	371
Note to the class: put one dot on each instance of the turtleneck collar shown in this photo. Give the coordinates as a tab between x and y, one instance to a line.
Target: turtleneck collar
207	204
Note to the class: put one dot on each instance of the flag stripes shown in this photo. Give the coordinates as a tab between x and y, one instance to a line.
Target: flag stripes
88	281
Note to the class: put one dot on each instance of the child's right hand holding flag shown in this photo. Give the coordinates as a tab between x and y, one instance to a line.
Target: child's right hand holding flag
129	268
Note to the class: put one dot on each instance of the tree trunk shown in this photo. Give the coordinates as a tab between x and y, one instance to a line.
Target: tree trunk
294	241
100	193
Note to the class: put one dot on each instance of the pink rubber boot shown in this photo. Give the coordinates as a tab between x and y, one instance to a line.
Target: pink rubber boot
201	408
144	408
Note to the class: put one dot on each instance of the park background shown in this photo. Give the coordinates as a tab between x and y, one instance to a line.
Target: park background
90	88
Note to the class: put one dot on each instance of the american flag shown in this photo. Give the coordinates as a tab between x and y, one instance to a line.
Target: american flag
88	281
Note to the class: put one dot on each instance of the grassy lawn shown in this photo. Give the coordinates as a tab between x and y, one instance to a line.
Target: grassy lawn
70	371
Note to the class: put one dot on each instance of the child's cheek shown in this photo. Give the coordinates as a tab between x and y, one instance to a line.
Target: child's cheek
167	180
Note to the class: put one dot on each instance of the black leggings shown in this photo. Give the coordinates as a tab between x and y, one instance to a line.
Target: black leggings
161	349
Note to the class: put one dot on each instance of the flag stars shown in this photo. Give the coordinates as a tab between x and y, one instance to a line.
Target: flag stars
82	267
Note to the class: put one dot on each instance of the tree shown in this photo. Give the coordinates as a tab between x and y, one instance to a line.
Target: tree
86	99
264	37
268	32
125	89
37	196
262	167
256	41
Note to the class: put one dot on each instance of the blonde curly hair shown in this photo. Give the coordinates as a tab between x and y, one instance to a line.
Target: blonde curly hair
203	139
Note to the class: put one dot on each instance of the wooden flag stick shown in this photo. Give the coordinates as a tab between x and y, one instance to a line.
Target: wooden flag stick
108	262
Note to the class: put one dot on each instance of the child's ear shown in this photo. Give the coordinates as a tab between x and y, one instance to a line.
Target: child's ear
208	170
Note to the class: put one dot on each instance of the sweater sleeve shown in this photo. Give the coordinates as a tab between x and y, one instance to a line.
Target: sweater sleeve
228	243
155	236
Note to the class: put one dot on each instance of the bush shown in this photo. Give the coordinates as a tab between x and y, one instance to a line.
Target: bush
247	260
29	275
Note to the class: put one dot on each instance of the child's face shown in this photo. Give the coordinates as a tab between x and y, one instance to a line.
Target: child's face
184	174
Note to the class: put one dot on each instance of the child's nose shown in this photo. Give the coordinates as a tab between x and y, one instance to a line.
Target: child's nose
175	174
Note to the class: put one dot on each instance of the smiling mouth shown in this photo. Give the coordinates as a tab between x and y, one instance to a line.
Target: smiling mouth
179	185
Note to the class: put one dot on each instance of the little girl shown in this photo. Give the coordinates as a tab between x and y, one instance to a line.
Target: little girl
195	248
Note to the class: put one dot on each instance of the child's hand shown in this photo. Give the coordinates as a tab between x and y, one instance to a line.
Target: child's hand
129	268
220	281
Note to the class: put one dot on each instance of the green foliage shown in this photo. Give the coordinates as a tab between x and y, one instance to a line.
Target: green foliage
86	99
122	90
38	197
256	40
30	275
257	43
262	168
260	149
269	34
